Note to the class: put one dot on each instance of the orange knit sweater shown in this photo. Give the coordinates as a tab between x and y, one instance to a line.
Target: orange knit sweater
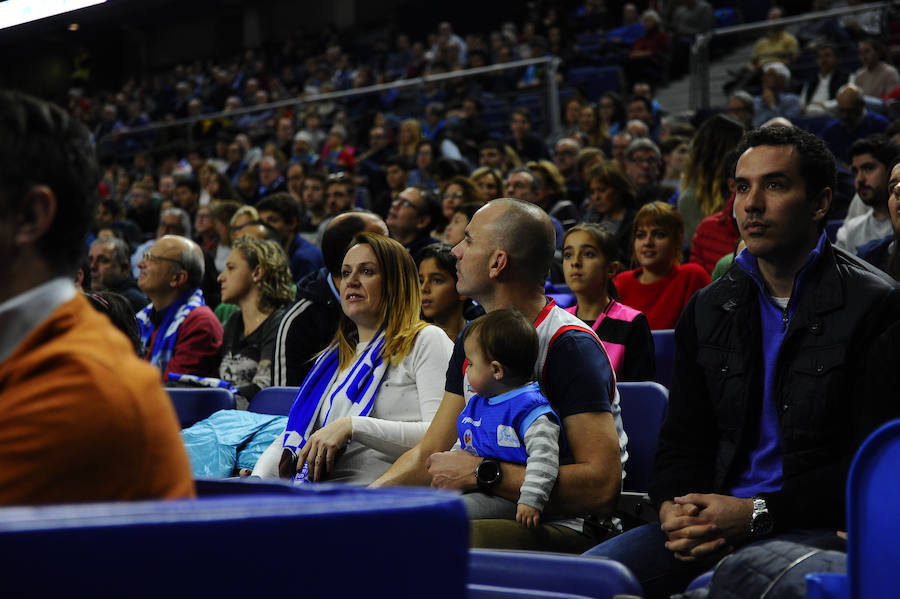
82	418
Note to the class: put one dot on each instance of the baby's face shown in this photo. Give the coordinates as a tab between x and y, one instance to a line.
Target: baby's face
480	372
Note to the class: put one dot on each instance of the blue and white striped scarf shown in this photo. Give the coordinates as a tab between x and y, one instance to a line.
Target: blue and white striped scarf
348	393
202	381
172	317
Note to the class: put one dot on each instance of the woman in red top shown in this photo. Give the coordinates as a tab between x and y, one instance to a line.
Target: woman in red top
660	286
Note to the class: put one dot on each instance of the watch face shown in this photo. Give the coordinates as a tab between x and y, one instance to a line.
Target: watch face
488	472
762	523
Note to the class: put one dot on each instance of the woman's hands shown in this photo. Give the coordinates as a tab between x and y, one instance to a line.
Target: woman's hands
323	447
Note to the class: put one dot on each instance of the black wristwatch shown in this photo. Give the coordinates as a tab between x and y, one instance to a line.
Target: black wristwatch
761	523
488	474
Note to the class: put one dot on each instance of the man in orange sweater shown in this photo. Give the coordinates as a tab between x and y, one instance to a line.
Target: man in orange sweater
82	418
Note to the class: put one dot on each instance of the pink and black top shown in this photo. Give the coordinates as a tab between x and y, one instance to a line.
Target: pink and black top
626	337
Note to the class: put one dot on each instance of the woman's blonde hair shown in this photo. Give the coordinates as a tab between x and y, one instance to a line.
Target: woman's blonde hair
486	171
400	304
705	172
249	210
275	285
470	190
552	181
409	149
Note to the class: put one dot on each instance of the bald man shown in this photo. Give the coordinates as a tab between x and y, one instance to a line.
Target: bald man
180	333
854	122
502	263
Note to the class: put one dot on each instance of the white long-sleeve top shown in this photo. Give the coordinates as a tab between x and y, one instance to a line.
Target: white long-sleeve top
407	401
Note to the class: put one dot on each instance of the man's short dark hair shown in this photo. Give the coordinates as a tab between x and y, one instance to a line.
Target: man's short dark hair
817	164
445	168
336	240
192	184
535	181
828	45
114	207
893	129
432	207
880	146
343	180
491	144
398	161
524	113
507	336
281	203
40	144
648	104
315	176
476	101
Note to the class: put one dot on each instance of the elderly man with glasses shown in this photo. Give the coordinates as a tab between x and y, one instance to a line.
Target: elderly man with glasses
180	333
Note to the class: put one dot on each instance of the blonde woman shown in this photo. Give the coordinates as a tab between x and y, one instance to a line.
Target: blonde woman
408	137
243	217
372	393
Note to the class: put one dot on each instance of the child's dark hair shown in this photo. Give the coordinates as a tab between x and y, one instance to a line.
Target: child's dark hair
606	245
508	337
446	261
441	254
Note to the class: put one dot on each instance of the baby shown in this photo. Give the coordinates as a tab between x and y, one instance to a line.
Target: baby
508	419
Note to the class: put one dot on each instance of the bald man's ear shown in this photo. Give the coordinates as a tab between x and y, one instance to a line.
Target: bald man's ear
498	263
179	278
36	216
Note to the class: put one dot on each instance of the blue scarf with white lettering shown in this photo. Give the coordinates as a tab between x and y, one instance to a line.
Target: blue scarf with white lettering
172	318
350	392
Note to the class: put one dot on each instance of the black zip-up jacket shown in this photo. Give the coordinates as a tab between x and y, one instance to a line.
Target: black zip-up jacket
717	388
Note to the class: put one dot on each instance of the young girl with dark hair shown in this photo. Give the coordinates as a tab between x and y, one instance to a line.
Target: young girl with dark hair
590	261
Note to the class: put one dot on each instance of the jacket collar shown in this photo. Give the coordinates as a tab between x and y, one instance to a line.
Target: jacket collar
820	272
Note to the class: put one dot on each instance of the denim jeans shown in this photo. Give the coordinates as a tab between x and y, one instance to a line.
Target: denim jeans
643	551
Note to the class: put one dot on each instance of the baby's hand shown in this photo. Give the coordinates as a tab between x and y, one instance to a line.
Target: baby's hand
527	515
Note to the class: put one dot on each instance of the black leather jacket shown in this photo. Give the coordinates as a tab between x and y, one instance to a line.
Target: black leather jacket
714	404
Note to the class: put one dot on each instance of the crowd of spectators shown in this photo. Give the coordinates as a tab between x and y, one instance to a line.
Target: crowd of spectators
230	246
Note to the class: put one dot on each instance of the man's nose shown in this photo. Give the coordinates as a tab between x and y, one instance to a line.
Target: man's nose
753	201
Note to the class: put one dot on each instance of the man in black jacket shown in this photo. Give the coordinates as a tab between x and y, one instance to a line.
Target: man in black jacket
823	86
764	414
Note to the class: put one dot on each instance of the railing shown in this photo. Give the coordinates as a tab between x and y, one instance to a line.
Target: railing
699	77
552	98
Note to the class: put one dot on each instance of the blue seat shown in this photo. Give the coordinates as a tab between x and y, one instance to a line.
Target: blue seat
595	81
664	350
644	407
298	544
486	591
560	293
725	17
274	400
873	524
551	573
193	405
813	124
701	581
